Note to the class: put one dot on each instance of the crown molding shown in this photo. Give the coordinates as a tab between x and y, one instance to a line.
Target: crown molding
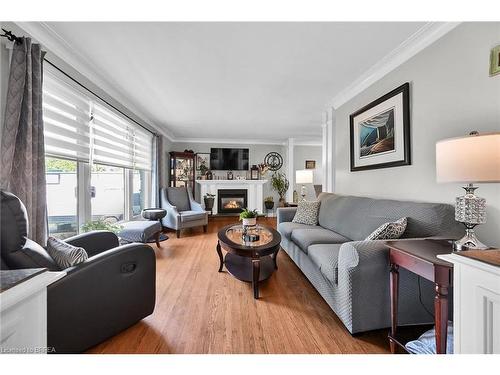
315	143
58	46
420	40
236	141
276	142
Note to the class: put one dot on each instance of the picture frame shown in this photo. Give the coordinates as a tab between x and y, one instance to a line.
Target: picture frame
380	132
495	61
202	158
310	164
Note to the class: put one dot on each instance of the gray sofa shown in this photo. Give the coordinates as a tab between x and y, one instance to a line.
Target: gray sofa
351	274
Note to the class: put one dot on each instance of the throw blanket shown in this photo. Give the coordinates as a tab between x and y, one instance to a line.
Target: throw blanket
426	343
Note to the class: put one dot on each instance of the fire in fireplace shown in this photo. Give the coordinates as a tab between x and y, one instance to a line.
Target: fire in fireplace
231	200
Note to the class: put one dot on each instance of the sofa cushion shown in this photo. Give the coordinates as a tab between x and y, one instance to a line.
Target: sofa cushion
325	257
307	212
305	237
178	197
139	230
357	217
192	216
286	228
64	254
389	231
32	255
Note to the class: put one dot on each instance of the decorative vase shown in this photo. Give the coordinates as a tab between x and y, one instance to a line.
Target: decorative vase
282	202
249	222
269	205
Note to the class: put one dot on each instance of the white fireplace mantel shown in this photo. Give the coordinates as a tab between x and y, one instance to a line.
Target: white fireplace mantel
254	188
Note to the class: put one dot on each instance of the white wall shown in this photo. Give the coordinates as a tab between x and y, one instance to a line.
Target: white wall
301	154
451	94
256	156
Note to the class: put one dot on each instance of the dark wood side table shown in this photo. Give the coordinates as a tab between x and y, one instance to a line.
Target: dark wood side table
419	256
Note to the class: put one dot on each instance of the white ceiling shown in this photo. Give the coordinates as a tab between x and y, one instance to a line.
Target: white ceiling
233	80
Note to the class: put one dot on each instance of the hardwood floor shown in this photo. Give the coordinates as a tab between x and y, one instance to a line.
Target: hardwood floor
199	310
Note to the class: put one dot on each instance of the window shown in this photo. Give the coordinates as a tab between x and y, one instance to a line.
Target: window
108	193
99	163
140	186
62	180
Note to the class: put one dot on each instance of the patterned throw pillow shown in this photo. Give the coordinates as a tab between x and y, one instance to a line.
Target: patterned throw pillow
389	231
64	254
307	212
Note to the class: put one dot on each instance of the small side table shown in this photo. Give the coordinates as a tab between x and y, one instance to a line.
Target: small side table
420	257
156	214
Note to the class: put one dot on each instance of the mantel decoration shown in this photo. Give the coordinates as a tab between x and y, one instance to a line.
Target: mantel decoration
380	132
274	161
202	162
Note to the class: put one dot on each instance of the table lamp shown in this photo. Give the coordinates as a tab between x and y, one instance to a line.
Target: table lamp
304	176
469	159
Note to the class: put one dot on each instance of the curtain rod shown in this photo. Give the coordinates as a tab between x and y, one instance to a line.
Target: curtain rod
13	38
9	35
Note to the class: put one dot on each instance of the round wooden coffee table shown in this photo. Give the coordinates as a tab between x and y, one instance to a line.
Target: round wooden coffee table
250	261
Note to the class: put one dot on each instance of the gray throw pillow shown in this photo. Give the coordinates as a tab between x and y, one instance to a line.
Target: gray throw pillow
307	212
389	231
64	254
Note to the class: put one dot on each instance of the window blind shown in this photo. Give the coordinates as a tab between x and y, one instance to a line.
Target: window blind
66	114
117	141
78	127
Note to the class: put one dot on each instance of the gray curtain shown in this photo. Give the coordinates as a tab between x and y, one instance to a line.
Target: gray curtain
22	164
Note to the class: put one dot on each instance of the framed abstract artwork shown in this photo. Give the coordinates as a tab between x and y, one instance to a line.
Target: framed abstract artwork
380	132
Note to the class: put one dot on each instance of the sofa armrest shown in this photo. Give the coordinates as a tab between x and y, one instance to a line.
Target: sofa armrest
355	253
100	297
195	206
95	242
362	276
285	214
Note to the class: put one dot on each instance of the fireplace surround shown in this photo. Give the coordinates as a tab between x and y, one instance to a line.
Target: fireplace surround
254	188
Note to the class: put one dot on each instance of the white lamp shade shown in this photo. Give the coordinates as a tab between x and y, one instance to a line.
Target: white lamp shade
474	158
304	176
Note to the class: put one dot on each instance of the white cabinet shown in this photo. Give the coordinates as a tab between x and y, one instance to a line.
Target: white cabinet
476	305
23	313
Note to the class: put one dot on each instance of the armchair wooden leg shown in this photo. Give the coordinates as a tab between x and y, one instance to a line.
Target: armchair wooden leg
157	238
178	233
205	227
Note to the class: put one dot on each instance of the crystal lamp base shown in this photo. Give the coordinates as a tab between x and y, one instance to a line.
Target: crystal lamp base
469	242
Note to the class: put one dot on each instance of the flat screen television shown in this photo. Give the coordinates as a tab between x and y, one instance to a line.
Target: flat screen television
225	159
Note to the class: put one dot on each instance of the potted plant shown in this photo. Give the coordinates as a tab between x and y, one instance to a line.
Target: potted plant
280	183
209	201
101	224
248	217
269	203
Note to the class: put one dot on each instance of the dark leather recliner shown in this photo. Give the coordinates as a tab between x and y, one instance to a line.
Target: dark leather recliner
109	292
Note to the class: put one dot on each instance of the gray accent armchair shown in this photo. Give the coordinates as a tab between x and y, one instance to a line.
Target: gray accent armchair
109	292
182	210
